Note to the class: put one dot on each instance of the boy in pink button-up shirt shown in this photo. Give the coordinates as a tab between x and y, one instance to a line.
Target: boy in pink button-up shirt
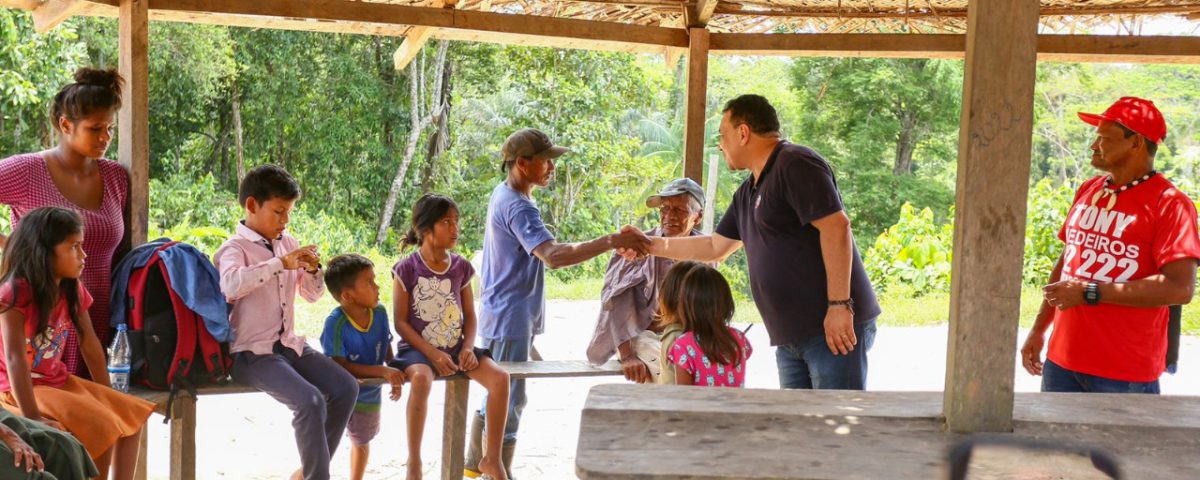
262	268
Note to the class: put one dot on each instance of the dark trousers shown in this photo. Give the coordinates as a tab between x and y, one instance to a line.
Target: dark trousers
320	393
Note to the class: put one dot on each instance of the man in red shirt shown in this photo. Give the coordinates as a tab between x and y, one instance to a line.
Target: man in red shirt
1131	251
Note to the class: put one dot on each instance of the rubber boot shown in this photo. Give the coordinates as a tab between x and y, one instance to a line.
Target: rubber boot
507	451
474	449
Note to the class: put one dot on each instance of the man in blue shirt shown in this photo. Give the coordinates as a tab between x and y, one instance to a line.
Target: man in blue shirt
517	248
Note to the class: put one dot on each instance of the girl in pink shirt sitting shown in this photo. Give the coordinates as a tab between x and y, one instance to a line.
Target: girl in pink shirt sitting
709	352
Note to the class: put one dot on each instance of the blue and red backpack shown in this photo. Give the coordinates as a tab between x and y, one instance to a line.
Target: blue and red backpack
178	322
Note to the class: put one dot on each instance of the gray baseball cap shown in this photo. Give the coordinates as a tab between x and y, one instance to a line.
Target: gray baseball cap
678	186
530	142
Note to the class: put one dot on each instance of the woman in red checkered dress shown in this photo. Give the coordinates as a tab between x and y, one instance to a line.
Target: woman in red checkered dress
73	175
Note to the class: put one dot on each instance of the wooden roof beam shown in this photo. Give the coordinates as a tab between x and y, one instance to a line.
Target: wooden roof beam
1118	49
369	18
672	55
1182	9
1051	48
20	4
101	8
390	14
413	42
698	14
534	41
839	45
416	38
52	13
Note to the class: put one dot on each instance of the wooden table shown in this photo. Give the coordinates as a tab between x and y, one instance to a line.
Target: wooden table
674	432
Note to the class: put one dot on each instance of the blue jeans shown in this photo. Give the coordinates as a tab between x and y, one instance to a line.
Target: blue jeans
811	365
1055	378
510	351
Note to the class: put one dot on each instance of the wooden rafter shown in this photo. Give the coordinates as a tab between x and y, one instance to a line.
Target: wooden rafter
350	16
801	12
416	38
533	41
699	14
53	12
296	24
379	13
413	42
830	17
1064	48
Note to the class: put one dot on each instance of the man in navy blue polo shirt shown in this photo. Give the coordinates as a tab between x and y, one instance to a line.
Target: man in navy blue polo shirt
805	274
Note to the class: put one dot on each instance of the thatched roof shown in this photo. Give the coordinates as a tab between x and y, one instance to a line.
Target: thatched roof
772	16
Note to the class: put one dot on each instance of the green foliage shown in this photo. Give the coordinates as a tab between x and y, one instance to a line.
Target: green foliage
32	69
904	307
915	252
888	126
333	111
200	213
1047	211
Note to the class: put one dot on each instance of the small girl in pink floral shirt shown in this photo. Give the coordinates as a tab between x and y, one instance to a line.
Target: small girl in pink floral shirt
709	352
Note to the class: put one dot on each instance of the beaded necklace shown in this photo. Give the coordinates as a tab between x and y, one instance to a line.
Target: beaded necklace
1111	193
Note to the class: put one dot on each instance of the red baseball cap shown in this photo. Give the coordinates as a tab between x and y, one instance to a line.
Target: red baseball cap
1137	114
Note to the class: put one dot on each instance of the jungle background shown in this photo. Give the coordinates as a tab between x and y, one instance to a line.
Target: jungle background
366	140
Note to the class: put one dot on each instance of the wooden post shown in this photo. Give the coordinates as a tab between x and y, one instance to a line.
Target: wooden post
143	454
183	438
454	427
995	139
133	122
697	96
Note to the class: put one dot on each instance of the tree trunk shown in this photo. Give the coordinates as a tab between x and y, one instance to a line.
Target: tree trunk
237	133
222	152
419	124
439	141
388	73
906	142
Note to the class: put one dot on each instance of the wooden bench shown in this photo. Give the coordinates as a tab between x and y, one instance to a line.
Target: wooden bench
454	425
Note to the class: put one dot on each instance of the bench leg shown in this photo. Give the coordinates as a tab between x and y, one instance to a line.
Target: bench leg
454	428
183	438
143	454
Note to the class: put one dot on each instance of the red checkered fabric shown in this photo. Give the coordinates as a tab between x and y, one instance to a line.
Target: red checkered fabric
25	185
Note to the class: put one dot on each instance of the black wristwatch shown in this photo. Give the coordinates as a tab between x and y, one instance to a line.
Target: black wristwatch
1091	293
847	303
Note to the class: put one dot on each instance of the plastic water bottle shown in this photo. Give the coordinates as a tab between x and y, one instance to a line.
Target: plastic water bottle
118	361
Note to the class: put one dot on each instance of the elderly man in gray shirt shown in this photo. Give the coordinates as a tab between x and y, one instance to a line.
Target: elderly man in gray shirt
629	300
